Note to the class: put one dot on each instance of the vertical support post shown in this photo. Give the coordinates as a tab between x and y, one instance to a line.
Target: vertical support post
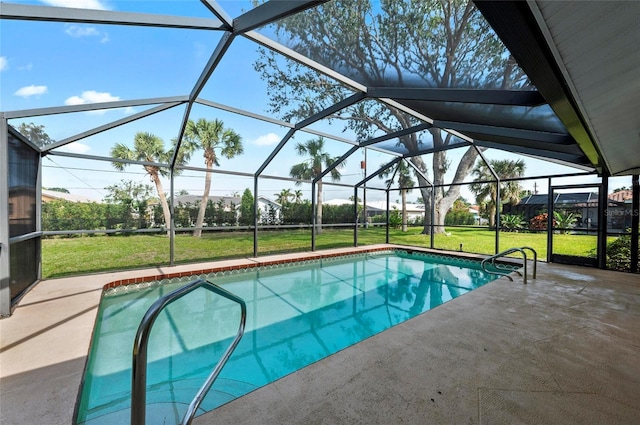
172	229
433	216
549	220
39	218
355	216
498	208
603	206
635	222
387	216
255	216
364	192
5	273
313	216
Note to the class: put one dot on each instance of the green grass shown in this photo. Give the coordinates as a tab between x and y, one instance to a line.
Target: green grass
68	256
482	241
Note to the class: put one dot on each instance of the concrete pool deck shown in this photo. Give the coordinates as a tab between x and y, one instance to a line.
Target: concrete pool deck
561	350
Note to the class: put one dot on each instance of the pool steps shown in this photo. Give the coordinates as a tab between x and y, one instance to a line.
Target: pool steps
139	358
522	250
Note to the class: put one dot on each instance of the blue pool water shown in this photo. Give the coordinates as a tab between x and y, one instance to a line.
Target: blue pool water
296	315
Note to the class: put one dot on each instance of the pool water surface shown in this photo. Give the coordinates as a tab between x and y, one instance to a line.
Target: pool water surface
296	315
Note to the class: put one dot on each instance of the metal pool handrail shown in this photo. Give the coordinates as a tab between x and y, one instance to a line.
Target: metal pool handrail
139	372
521	249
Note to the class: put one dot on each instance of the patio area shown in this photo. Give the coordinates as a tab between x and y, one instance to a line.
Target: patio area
560	350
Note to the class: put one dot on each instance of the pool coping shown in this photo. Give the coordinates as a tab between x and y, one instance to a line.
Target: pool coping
308	256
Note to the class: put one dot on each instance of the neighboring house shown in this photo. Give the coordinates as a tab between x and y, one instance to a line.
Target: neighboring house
584	205
54	195
622	196
374	208
227	201
619	210
269	211
414	211
22	210
475	211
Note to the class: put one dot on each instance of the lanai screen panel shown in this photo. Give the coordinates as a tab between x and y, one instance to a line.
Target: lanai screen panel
23	177
446	60
23	174
402	44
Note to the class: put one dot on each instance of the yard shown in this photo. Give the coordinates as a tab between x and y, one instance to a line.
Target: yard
90	254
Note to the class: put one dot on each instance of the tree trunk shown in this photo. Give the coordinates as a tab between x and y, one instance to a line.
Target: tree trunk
203	202
403	193
163	199
424	191
319	209
492	216
444	200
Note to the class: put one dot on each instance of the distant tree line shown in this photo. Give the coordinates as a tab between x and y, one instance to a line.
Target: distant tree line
62	215
130	205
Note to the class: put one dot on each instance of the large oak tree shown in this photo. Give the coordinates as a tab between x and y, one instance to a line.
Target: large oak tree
399	43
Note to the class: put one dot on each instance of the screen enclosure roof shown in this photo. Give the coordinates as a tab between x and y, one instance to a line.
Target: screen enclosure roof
552	80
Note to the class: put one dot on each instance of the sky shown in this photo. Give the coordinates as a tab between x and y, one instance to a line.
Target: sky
46	64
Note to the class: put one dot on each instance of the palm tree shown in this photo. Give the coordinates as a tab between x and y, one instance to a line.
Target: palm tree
406	182
148	147
209	136
297	196
509	191
284	196
312	167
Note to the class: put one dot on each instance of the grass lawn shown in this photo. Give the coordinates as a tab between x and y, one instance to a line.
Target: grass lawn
68	256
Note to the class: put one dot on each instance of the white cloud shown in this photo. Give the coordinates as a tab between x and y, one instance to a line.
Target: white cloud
92	96
77	31
27	67
4	64
80	4
80	31
267	139
31	91
76	147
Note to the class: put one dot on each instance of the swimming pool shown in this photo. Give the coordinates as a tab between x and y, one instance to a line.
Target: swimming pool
296	314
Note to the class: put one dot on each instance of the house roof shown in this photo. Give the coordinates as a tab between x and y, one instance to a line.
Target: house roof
268	201
56	195
227	200
378	205
574	198
195	199
622	195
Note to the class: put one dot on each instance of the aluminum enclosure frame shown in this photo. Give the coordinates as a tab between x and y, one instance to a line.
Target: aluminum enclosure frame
527	49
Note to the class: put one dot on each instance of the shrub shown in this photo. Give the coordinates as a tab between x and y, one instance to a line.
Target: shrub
395	219
459	218
564	220
539	222
619	254
511	222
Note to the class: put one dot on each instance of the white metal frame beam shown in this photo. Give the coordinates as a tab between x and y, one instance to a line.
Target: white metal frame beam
26	12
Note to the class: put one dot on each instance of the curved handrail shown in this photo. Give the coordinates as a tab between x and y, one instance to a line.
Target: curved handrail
521	250
139	366
535	259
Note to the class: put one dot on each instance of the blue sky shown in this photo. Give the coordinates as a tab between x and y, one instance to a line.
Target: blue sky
51	64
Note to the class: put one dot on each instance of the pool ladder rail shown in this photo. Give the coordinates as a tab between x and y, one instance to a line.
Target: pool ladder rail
139	372
492	260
